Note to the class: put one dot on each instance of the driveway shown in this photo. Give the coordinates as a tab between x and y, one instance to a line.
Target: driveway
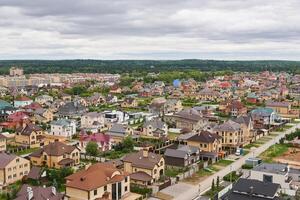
184	191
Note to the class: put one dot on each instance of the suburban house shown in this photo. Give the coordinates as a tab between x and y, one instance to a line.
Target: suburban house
144	167
234	108
63	127
42	115
3	143
118	132
157	106
92	121
103	141
206	141
57	155
182	156
232	135
275	173
38	192
43	99
284	109
249	189
155	128
173	106
22	101
30	135
97	182
208	94
71	110
264	118
12	168
129	102
246	123
187	119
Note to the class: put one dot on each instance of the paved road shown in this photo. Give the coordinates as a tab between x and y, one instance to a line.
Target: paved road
183	191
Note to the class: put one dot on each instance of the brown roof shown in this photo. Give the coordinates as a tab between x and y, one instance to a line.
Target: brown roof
140	176
29	128
54	149
138	160
39	193
205	137
66	161
95	176
34	173
5	159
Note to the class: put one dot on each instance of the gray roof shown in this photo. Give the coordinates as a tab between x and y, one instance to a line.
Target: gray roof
155	123
189	114
243	120
205	137
62	122
275	168
39	193
249	189
228	126
117	130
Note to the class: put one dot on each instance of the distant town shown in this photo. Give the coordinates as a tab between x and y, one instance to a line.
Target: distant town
171	135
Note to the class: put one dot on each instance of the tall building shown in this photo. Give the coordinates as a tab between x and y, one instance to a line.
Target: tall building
15	71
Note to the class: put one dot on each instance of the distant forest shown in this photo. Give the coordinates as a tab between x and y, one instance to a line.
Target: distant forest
123	66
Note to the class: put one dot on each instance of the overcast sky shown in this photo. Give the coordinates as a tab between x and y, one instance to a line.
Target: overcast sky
150	29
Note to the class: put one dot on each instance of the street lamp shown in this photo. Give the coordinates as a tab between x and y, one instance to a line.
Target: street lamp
230	173
199	189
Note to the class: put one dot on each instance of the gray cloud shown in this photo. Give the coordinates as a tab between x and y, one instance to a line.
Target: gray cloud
217	29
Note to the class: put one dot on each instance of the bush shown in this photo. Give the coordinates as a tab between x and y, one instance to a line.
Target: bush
245	166
141	190
232	176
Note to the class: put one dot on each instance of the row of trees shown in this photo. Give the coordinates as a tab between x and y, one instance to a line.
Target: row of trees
121	66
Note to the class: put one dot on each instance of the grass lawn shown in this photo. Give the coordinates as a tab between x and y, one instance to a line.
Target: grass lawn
173	172
224	162
274	151
26	151
203	172
172	136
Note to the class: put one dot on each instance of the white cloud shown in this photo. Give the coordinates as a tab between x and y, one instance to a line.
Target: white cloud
133	29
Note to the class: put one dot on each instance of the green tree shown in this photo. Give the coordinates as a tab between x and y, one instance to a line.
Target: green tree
213	185
128	143
218	182
92	149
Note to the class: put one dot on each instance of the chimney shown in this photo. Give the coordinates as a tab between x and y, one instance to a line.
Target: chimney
251	190
29	193
53	189
145	153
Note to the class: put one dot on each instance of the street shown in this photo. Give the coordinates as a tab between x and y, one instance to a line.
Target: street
184	191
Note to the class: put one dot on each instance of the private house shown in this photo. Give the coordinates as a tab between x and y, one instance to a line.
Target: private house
247	125
3	143
56	155
66	97
12	168
157	106
115	90
42	115
282	108
144	167
264	118
97	182
103	141
129	102
28	192
187	119
115	116
252	98
22	101
96	99
206	141
63	127
173	106
43	99
118	132
208	94
92	121
71	110
15	120
30	135
5	109
155	128
182	156
275	173
249	189
235	108
232	135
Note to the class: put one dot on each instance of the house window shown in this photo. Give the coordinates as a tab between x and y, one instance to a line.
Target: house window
155	171
126	188
268	178
45	157
17	160
126	179
105	188
95	192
